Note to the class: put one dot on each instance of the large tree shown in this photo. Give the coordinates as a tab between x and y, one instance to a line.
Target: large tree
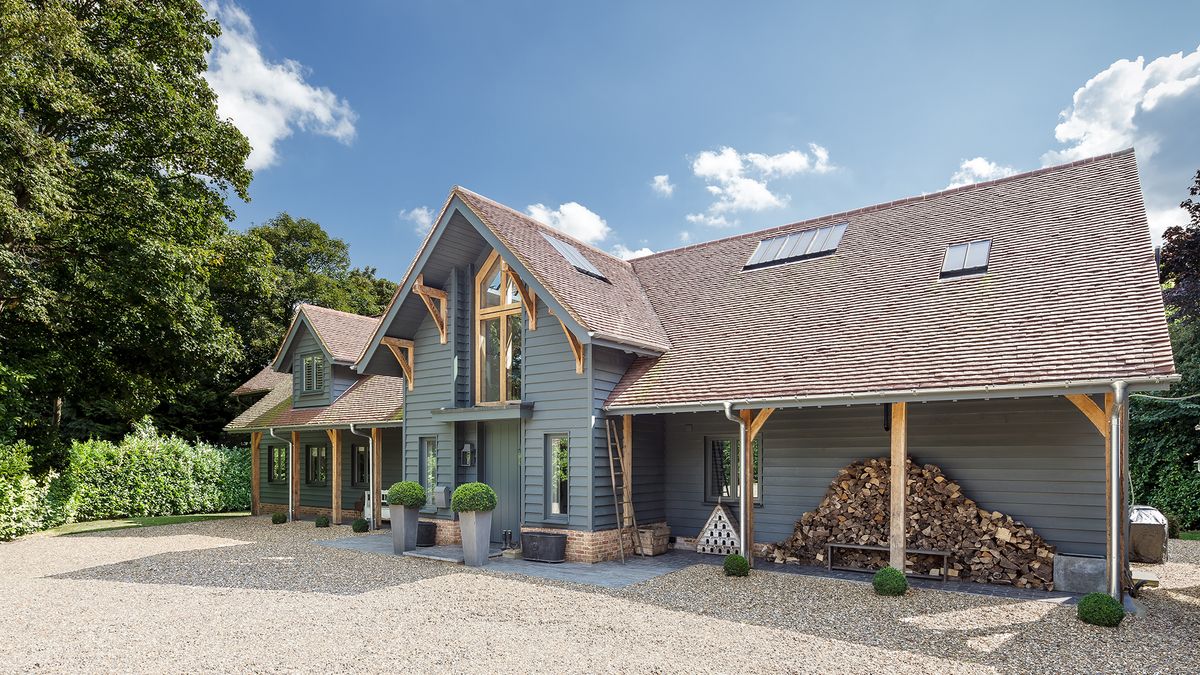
1181	259
114	174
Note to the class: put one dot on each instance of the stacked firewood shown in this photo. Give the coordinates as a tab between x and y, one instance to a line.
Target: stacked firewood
985	546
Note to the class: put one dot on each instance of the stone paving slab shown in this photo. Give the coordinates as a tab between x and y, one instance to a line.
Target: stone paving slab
381	544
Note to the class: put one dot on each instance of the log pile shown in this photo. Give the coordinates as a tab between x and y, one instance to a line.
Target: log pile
985	546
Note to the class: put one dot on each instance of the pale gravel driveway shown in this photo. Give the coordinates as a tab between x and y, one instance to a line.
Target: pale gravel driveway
243	595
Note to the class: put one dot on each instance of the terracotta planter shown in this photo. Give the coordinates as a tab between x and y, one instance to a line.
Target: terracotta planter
476	529
404	529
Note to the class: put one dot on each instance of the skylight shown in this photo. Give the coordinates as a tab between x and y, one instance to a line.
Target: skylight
796	246
969	258
574	257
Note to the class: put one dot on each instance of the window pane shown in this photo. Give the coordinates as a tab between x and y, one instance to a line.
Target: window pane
511	296
430	460
489	287
955	255
512	358
835	237
770	248
977	254
818	241
489	335
757	489
721	460
559	473
318	373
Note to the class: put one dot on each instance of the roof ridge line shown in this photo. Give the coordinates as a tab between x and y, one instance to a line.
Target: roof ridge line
339	311
555	232
899	202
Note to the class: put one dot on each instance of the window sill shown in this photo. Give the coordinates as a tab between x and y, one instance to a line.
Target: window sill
479	413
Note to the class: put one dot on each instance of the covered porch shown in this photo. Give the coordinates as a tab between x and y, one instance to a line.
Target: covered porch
1052	458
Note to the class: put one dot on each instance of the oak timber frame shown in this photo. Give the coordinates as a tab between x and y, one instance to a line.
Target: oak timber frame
898	488
335	493
403	351
495	266
436	302
255	471
1108	421
752	422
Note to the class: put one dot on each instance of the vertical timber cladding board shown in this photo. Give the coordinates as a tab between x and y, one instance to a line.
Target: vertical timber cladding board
562	404
607	367
1036	459
433	388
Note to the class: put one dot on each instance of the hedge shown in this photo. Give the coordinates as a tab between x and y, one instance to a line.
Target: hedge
143	475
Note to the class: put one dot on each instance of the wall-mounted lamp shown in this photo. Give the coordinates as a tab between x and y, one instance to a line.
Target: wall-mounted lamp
466	456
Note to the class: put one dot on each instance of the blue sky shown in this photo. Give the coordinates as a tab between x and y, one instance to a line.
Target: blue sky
758	114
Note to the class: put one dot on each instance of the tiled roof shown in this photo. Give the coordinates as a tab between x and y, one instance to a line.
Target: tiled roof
1071	293
616	310
345	335
373	399
263	381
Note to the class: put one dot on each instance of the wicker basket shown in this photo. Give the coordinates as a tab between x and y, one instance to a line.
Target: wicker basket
653	539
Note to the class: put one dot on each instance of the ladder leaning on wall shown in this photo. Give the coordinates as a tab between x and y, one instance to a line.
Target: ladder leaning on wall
623	504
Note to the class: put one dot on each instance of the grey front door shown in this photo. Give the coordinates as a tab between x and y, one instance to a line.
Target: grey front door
501	464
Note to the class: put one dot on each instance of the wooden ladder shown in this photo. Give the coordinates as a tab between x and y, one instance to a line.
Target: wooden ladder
616	471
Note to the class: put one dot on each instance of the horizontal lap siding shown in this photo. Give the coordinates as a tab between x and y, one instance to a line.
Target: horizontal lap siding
1036	459
433	388
561	404
649	469
270	493
314	495
608	365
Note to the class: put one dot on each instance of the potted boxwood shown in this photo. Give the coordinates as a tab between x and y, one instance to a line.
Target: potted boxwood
474	503
405	499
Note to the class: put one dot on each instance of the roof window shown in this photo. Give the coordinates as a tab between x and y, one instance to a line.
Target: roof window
964	259
796	246
574	257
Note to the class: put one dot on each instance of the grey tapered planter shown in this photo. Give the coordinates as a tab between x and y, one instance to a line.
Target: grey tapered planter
404	529
476	529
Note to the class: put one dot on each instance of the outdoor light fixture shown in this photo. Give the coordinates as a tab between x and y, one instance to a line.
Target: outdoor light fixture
466	456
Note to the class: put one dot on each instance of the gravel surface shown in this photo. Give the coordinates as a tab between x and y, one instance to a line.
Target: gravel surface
245	595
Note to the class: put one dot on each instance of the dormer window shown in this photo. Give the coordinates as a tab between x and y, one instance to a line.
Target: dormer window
313	377
499	326
964	259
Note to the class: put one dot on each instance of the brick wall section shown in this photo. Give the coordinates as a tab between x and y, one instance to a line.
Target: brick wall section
348	515
448	533
589	547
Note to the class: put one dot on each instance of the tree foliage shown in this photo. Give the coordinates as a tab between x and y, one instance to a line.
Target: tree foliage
1180	256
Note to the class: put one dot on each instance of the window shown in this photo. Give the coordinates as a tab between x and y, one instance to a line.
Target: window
573	256
428	467
360	466
557	474
317	472
277	464
499	324
796	246
721	469
314	373
963	259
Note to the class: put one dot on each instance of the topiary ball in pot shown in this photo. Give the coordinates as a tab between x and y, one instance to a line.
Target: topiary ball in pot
736	566
322	521
889	581
359	525
278	518
406	493
473	497
1100	609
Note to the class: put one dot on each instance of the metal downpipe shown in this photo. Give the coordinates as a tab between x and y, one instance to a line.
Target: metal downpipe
1116	503
291	506
370	477
744	505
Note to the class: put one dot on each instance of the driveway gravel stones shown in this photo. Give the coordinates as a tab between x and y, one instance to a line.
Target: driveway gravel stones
244	595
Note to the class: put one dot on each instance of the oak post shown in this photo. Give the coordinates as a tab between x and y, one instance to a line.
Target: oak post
294	462
255	471
899	485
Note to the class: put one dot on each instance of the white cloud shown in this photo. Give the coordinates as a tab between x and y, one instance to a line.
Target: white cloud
978	170
1109	111
685	236
267	101
740	181
1162	218
421	217
624	253
662	185
572	218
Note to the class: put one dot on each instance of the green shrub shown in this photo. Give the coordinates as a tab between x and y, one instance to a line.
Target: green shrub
322	521
736	566
889	581
473	497
406	493
278	518
22	499
360	525
151	475
1100	609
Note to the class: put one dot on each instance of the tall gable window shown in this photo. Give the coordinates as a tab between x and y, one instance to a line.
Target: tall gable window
964	259
314	372
498	329
801	245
